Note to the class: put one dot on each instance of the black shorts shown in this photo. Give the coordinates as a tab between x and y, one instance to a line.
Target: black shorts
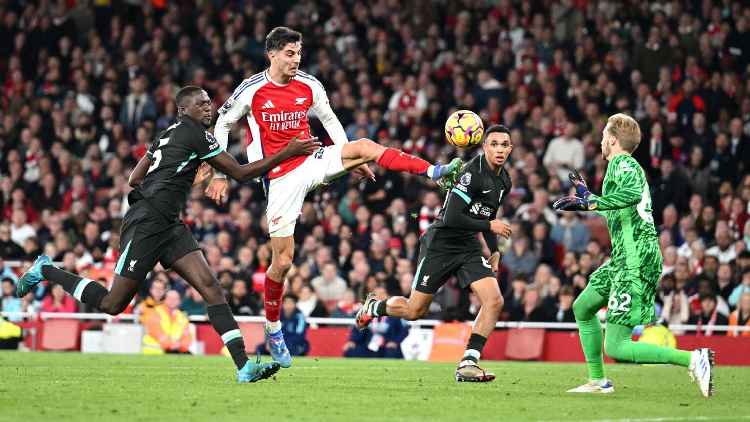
147	238
439	260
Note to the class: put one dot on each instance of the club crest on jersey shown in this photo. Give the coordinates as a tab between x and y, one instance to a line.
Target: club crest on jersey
300	100
213	144
465	179
227	105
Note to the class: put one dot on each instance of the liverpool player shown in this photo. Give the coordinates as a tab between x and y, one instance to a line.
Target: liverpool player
153	232
450	247
276	103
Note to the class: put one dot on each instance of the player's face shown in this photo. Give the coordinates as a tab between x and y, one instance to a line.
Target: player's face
497	148
201	108
287	59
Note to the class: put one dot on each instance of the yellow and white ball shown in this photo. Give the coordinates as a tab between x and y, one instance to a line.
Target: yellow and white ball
464	128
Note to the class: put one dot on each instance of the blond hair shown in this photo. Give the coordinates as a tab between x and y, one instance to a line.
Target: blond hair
626	130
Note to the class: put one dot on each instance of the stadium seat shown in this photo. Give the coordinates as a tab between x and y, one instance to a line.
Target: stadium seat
525	344
449	341
60	334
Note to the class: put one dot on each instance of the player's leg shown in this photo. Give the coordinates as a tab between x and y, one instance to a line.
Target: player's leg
476	272
361	151
631	303
433	269
590	330
84	290
137	257
282	254
194	269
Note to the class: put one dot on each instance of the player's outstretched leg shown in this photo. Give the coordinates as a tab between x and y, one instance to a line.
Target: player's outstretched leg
281	262
364	150
488	292
409	309
590	332
83	289
619	345
195	270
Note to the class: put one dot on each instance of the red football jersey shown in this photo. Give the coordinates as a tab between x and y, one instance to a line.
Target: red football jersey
275	114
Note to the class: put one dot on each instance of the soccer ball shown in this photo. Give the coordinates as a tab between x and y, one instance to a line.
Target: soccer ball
464	128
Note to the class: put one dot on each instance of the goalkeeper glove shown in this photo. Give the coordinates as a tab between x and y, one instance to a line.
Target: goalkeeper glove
574	203
582	191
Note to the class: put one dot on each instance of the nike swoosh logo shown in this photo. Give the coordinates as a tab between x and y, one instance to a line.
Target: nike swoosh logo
485	191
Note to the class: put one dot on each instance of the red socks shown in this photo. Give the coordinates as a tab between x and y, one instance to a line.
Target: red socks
272	298
393	159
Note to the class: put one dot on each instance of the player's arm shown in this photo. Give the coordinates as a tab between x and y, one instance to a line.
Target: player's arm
140	170
457	212
225	162
322	109
626	192
629	182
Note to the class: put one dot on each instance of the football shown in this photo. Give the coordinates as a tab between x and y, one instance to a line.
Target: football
464	128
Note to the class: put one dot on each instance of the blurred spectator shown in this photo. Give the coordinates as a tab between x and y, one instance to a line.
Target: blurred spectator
6	272
345	306
738	291
675	305
708	316
193	303
570	232
564	153
741	316
167	328
9	249
531	310
309	304
381	339
58	301
241	301
156	293
294	326
11	335
520	259
564	312
11	303
328	285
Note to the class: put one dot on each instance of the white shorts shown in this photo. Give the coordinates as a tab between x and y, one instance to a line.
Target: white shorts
286	194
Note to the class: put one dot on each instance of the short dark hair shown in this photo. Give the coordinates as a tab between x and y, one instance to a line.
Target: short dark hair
186	92
495	129
280	37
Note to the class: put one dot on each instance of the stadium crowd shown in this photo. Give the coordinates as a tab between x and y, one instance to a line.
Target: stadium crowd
87	86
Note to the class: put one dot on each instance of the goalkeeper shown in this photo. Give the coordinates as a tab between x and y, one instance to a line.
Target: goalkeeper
627	283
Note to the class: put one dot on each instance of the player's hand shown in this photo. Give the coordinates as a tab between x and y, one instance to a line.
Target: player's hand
495	261
349	345
298	146
363	171
573	203
582	190
500	228
217	189
204	172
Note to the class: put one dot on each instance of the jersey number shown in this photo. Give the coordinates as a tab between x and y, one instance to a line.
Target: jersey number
157	155
644	207
621	306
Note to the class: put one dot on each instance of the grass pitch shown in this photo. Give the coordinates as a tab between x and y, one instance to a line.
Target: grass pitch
82	387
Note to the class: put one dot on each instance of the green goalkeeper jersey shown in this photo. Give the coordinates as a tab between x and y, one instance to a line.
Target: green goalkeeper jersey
626	203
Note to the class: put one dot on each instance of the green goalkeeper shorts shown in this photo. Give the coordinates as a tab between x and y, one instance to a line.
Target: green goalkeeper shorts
631	291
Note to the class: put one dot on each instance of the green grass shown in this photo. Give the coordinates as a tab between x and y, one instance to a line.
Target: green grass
92	388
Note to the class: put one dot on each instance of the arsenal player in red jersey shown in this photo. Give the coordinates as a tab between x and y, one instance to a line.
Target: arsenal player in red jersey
276	103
